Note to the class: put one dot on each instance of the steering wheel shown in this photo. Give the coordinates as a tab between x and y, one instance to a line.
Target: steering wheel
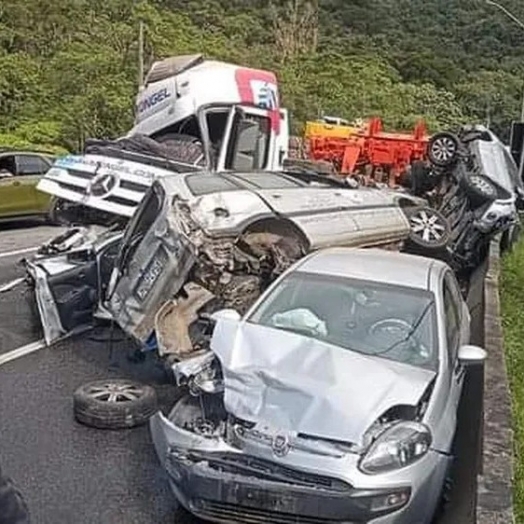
398	333
390	326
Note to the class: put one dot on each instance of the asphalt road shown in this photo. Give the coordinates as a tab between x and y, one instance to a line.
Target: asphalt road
71	474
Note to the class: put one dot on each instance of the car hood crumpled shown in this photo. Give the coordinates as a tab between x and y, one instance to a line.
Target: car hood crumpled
293	383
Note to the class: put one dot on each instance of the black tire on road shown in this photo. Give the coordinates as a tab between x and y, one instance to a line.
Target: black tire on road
114	404
479	189
443	149
430	231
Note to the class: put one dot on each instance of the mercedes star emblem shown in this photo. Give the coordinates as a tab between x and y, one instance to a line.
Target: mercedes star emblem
102	184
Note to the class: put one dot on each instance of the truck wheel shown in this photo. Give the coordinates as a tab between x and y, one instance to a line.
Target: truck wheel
114	404
430	231
443	149
479	189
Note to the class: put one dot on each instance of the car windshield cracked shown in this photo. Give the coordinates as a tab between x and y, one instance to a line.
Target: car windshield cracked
373	319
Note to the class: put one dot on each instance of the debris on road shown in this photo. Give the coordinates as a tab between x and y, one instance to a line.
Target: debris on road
12	284
114	404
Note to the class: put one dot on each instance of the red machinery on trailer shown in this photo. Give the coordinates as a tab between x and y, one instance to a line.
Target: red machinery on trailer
366	150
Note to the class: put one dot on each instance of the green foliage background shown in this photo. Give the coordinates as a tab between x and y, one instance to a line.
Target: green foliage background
68	68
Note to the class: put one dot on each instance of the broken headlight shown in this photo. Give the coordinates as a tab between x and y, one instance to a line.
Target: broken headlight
398	446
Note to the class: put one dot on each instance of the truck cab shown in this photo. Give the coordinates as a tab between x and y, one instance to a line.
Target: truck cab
190	114
233	112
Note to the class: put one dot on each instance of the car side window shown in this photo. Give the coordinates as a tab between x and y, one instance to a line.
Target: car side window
203	184
30	165
7	165
452	316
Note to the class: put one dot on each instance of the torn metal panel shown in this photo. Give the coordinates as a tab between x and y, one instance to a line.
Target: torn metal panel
174	318
302	385
47	309
73	238
70	284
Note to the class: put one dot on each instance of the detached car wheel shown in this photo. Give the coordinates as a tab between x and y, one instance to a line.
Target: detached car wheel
443	149
429	229
479	189
114	404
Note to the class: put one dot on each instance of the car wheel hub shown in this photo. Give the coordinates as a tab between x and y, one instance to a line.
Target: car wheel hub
443	149
115	392
427	226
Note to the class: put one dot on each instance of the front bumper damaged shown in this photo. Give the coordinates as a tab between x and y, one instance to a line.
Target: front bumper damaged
220	483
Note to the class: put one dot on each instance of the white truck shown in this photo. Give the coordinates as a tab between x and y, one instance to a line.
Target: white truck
191	114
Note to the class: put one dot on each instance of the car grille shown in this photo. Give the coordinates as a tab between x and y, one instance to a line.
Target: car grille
233	513
265	470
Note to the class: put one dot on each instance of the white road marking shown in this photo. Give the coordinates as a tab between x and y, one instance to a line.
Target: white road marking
22	351
7	254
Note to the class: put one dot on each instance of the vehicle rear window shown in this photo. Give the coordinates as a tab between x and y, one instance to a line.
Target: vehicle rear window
205	183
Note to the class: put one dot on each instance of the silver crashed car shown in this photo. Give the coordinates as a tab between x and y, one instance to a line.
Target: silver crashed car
333	399
234	233
231	234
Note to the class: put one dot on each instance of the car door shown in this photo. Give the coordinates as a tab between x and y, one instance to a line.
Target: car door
454	339
30	168
18	191
7	187
331	215
249	142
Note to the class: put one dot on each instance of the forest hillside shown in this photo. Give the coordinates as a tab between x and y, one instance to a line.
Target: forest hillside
68	68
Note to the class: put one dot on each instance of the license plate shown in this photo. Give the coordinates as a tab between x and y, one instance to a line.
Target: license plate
150	275
252	497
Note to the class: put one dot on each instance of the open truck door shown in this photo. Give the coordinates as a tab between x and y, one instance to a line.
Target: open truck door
252	140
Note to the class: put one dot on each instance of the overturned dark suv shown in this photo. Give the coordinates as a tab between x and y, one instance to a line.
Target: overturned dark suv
473	187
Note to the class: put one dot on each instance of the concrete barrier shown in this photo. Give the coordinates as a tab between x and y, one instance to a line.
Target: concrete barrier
494	486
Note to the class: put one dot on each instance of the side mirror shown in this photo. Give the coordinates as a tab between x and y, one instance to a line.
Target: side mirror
226	314
471	355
